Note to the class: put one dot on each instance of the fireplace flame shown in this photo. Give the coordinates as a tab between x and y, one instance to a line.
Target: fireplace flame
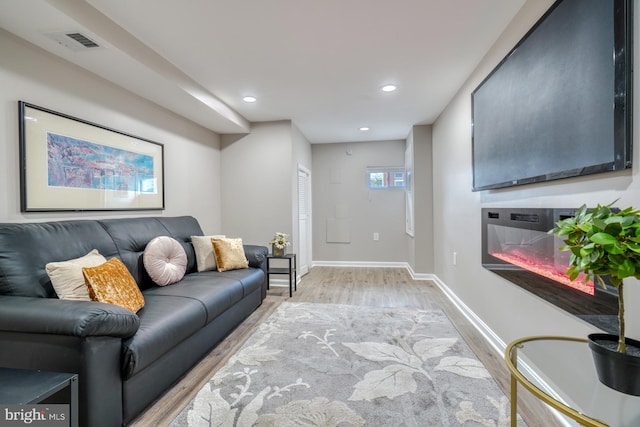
548	271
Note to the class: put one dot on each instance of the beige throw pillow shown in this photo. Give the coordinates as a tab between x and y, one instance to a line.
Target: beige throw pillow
229	254
205	258
67	279
112	283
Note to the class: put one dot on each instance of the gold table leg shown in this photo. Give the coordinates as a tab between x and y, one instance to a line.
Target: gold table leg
514	392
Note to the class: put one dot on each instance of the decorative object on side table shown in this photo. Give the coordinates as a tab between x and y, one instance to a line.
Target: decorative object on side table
605	242
279	244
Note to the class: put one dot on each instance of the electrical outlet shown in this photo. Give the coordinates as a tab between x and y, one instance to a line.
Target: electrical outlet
376	236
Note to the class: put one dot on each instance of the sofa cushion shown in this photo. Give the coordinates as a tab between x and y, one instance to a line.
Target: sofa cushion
250	278
112	283
203	247
215	292
229	254
165	260
165	321
67	278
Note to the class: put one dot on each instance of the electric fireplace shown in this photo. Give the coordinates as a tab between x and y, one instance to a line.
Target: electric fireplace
516	246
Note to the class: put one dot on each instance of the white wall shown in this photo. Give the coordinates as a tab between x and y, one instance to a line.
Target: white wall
510	311
340	192
192	153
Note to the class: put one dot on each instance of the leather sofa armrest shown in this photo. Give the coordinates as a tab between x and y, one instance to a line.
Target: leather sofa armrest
256	255
65	317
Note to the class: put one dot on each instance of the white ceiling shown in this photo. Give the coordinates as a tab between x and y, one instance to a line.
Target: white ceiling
318	63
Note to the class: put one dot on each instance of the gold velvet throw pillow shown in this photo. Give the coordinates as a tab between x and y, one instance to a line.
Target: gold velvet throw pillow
112	283
229	254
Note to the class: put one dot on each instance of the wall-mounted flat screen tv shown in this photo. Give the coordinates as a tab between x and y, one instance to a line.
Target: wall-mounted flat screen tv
559	104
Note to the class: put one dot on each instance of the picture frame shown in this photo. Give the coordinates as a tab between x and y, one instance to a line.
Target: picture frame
70	164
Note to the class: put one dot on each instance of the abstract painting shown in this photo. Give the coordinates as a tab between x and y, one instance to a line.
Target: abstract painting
68	164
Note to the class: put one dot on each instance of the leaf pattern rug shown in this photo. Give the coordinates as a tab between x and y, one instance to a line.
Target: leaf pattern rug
343	365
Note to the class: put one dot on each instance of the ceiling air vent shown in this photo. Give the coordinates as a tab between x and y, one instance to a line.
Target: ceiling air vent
83	40
73	40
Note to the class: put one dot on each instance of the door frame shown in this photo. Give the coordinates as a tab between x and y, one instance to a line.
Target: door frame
304	269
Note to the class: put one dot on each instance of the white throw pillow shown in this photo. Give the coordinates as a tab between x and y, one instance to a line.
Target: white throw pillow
205	257
67	278
165	260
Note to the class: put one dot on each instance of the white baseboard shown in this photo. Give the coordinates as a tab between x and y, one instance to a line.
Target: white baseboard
282	282
420	276
494	340
359	264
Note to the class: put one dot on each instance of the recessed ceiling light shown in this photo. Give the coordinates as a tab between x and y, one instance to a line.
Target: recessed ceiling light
364	129
388	88
249	99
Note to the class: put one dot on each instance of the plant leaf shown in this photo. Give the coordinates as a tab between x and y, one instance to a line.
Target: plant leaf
626	269
603	239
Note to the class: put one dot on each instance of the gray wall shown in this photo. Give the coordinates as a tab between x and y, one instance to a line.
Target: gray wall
421	248
301	157
192	153
510	311
340	193
259	184
257	187
257	197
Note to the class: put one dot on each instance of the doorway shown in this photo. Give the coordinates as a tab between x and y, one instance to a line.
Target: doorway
304	219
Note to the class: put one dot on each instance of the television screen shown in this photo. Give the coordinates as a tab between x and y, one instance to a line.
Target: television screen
559	104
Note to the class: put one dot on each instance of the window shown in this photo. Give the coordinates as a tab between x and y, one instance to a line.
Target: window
380	178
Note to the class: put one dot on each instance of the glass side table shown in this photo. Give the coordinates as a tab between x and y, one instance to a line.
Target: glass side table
560	372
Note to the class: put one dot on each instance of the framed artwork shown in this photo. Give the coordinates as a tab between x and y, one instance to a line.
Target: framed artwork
69	164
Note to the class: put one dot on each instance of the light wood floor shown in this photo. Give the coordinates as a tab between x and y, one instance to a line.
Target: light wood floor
381	287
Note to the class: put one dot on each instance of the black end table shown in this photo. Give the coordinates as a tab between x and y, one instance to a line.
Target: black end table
25	387
290	270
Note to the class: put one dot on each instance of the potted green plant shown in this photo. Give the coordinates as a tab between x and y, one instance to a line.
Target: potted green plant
605	243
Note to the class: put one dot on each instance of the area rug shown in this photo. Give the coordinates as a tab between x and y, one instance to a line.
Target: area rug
342	365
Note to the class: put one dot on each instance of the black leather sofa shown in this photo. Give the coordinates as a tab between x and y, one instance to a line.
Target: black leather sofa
124	361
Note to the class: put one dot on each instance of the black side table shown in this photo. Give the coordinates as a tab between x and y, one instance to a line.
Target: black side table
290	271
24	387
